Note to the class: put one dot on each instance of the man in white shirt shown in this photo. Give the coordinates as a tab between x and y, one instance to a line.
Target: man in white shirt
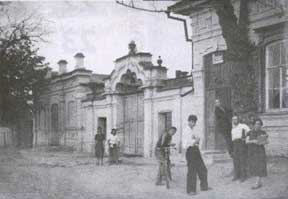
195	164
238	133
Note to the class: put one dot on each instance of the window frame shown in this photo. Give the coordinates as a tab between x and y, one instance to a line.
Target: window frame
280	68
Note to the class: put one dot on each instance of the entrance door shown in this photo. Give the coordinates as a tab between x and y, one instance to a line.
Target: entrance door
217	86
133	123
102	124
54	125
164	123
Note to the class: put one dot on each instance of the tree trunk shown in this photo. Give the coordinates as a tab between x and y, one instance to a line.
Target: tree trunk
239	47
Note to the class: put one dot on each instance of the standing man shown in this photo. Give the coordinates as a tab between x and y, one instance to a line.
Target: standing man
196	166
223	125
239	132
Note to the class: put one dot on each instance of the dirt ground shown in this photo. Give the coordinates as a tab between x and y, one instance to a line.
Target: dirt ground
30	174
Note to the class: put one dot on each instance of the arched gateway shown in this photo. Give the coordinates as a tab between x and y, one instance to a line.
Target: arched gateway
132	123
127	83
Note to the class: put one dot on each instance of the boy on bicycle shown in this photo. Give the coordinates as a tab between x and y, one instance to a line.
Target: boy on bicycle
162	153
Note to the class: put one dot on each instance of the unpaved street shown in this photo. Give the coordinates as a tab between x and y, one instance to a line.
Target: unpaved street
62	175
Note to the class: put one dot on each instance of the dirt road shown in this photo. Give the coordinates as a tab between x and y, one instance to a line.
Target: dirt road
65	175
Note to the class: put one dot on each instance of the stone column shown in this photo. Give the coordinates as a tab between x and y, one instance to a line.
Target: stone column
199	102
148	123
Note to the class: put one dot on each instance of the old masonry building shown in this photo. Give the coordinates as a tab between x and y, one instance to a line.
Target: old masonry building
137	99
268	27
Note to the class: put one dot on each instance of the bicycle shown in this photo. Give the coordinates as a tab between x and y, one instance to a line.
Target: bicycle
164	165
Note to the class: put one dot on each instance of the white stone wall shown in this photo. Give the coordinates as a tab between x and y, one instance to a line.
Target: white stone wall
61	92
180	107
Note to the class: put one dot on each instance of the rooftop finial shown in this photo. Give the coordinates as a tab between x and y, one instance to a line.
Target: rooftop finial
132	47
159	61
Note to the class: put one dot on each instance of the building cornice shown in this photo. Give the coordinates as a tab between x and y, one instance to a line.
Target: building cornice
186	7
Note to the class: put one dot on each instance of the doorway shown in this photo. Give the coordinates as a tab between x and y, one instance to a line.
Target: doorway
217	86
133	124
164	122
102	123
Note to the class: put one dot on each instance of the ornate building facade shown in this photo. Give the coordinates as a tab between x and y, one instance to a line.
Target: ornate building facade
137	99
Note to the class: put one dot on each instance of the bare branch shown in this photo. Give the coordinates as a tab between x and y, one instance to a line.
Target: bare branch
139	8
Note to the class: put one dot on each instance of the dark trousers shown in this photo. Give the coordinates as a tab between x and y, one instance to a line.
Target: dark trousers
229	144
196	167
240	159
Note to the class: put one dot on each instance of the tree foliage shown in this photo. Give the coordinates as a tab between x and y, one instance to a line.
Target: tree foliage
22	70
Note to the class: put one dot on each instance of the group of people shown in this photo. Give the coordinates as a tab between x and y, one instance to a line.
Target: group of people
113	142
195	164
245	144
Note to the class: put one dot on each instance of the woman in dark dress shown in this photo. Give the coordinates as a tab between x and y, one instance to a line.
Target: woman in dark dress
256	152
99	146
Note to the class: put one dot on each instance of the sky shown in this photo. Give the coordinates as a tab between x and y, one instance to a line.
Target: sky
102	29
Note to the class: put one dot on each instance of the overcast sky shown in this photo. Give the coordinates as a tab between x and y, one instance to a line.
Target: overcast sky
101	30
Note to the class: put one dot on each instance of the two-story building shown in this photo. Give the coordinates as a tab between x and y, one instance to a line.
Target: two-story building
268	30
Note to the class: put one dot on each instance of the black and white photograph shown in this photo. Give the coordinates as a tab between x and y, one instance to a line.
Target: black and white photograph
144	99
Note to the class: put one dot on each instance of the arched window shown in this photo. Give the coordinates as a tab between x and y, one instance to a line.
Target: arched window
71	118
277	75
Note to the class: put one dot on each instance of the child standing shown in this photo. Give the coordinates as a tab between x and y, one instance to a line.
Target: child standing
256	152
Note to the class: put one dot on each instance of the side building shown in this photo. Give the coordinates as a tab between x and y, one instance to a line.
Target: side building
268	30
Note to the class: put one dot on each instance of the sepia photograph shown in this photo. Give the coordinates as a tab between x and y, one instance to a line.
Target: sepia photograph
144	99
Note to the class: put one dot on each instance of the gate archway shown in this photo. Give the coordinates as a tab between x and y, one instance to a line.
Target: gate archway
132	122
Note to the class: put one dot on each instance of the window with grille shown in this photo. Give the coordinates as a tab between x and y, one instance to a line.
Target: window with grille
277	75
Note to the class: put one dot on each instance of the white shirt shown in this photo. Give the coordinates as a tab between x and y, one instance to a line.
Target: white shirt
113	139
190	138
238	129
